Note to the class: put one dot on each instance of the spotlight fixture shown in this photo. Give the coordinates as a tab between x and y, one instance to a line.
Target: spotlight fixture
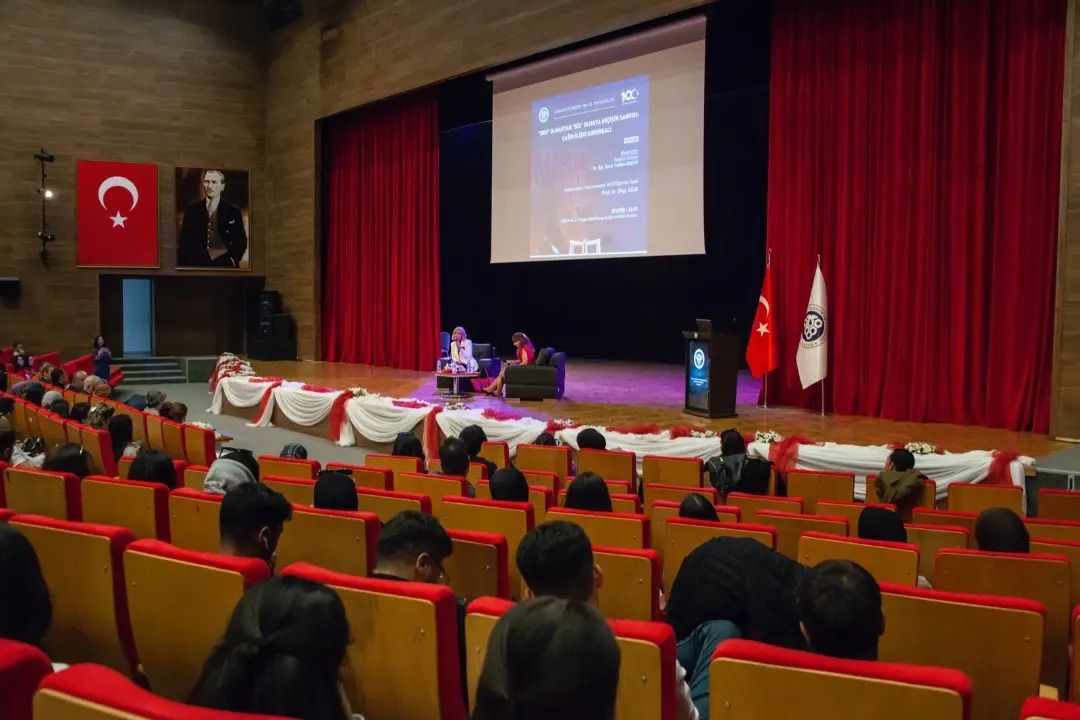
44	235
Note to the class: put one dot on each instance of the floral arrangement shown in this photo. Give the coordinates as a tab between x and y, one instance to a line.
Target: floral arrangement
229	365
691	431
920	448
359	392
768	436
456	406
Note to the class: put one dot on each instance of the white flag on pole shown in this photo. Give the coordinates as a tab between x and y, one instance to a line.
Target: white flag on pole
813	356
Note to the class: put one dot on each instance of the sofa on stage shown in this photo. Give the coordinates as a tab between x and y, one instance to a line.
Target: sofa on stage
545	379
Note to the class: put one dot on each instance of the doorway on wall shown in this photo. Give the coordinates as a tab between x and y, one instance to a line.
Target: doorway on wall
138	304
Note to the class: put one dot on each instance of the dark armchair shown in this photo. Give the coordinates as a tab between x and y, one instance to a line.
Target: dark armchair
545	379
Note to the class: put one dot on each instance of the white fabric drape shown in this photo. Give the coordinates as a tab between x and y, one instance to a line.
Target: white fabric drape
379	420
239	392
652	444
512	432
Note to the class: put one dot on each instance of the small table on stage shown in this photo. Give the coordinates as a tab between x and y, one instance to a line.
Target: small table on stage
455	392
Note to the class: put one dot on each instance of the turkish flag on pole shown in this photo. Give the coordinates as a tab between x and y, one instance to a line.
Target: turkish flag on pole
117	214
761	351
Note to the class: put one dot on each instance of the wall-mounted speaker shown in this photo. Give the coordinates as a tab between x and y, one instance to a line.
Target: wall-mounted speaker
268	302
280	13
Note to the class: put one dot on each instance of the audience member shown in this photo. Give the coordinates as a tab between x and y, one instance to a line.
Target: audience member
97	386
412	546
294	451
25	607
697	507
454	459
12	452
556	559
154	400
50	397
44	372
546	439
588	491
251	520
77	381
21	365
474	438
60	407
99	416
900	483
335	491
34	393
153	466
549	658
174	411
58	378
69	458
591	439
840	610
281	654
734	471
877	523
230	471
120	432
79	412
999	529
509	484
408	445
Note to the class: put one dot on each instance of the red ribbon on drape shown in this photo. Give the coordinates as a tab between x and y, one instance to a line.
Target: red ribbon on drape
785	454
265	401
337	415
432	438
999	474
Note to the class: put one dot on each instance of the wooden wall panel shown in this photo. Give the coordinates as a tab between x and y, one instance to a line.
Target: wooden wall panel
173	82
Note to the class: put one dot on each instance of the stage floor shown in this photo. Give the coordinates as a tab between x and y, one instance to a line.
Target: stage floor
609	393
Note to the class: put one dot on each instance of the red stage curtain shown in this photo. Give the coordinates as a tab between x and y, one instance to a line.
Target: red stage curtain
916	147
381	265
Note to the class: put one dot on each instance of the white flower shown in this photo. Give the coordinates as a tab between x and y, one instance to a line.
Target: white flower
702	434
767	436
920	448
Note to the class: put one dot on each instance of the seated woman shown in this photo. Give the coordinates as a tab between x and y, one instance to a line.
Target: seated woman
526	354
461	353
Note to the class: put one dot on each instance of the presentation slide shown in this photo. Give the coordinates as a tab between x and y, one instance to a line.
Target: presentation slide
590	171
599	153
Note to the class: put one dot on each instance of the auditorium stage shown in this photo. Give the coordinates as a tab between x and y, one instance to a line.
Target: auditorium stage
608	393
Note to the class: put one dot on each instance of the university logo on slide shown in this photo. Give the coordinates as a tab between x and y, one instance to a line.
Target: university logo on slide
699	359
813	333
630	95
543	115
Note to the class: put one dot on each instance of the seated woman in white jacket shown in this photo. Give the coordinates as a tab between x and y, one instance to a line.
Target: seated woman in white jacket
461	353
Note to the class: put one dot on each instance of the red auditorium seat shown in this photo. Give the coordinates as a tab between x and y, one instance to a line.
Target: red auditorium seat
1043	709
92	691
289	467
22	668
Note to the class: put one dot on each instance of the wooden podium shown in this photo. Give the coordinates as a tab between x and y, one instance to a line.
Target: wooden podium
712	369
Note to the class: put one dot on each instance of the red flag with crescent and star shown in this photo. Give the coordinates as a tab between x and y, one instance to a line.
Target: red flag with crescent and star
761	351
117	206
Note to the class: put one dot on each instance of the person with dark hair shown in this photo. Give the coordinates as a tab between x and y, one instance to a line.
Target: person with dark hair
999	529
549	658
153	466
174	411
408	445
294	451
697	507
412	546
231	470
900	483
556	558
79	412
588	491
591	439
57	378
69	458
281	654
877	523
154	401
474	438
60	407
546	439
99	416
251	520
454	458
509	484
335	491
102	356
840	610
120	432
733	470
25	606
525	355
34	393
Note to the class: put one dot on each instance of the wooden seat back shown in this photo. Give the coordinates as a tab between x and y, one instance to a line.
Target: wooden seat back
288	467
155	433
142	507
295	490
620	502
200	445
608	529
752	680
972	497
1058	504
547	458
496	452
138	421
965	520
82	567
1044	578
849	510
193	520
543	478
1071	550
931	538
540	498
995	641
631	586
675	494
98	445
678	471
37	492
476	472
337	540
180	602
684	535
1039	708
890	562
608	464
812	486
367	477
388	503
511	520
380	614
194	476
1051	529
790	526
172	435
396	464
750	505
52	430
435	487
479	565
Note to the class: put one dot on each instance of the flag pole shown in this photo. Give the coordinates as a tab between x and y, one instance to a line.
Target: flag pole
765	389
765	404
823	379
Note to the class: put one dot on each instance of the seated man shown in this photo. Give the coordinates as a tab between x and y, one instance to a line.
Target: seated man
474	438
230	471
454	458
251	520
840	611
556	559
591	439
1001	530
900	483
335	491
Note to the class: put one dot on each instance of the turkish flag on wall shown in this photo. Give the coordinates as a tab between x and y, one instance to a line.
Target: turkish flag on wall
117	214
761	351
